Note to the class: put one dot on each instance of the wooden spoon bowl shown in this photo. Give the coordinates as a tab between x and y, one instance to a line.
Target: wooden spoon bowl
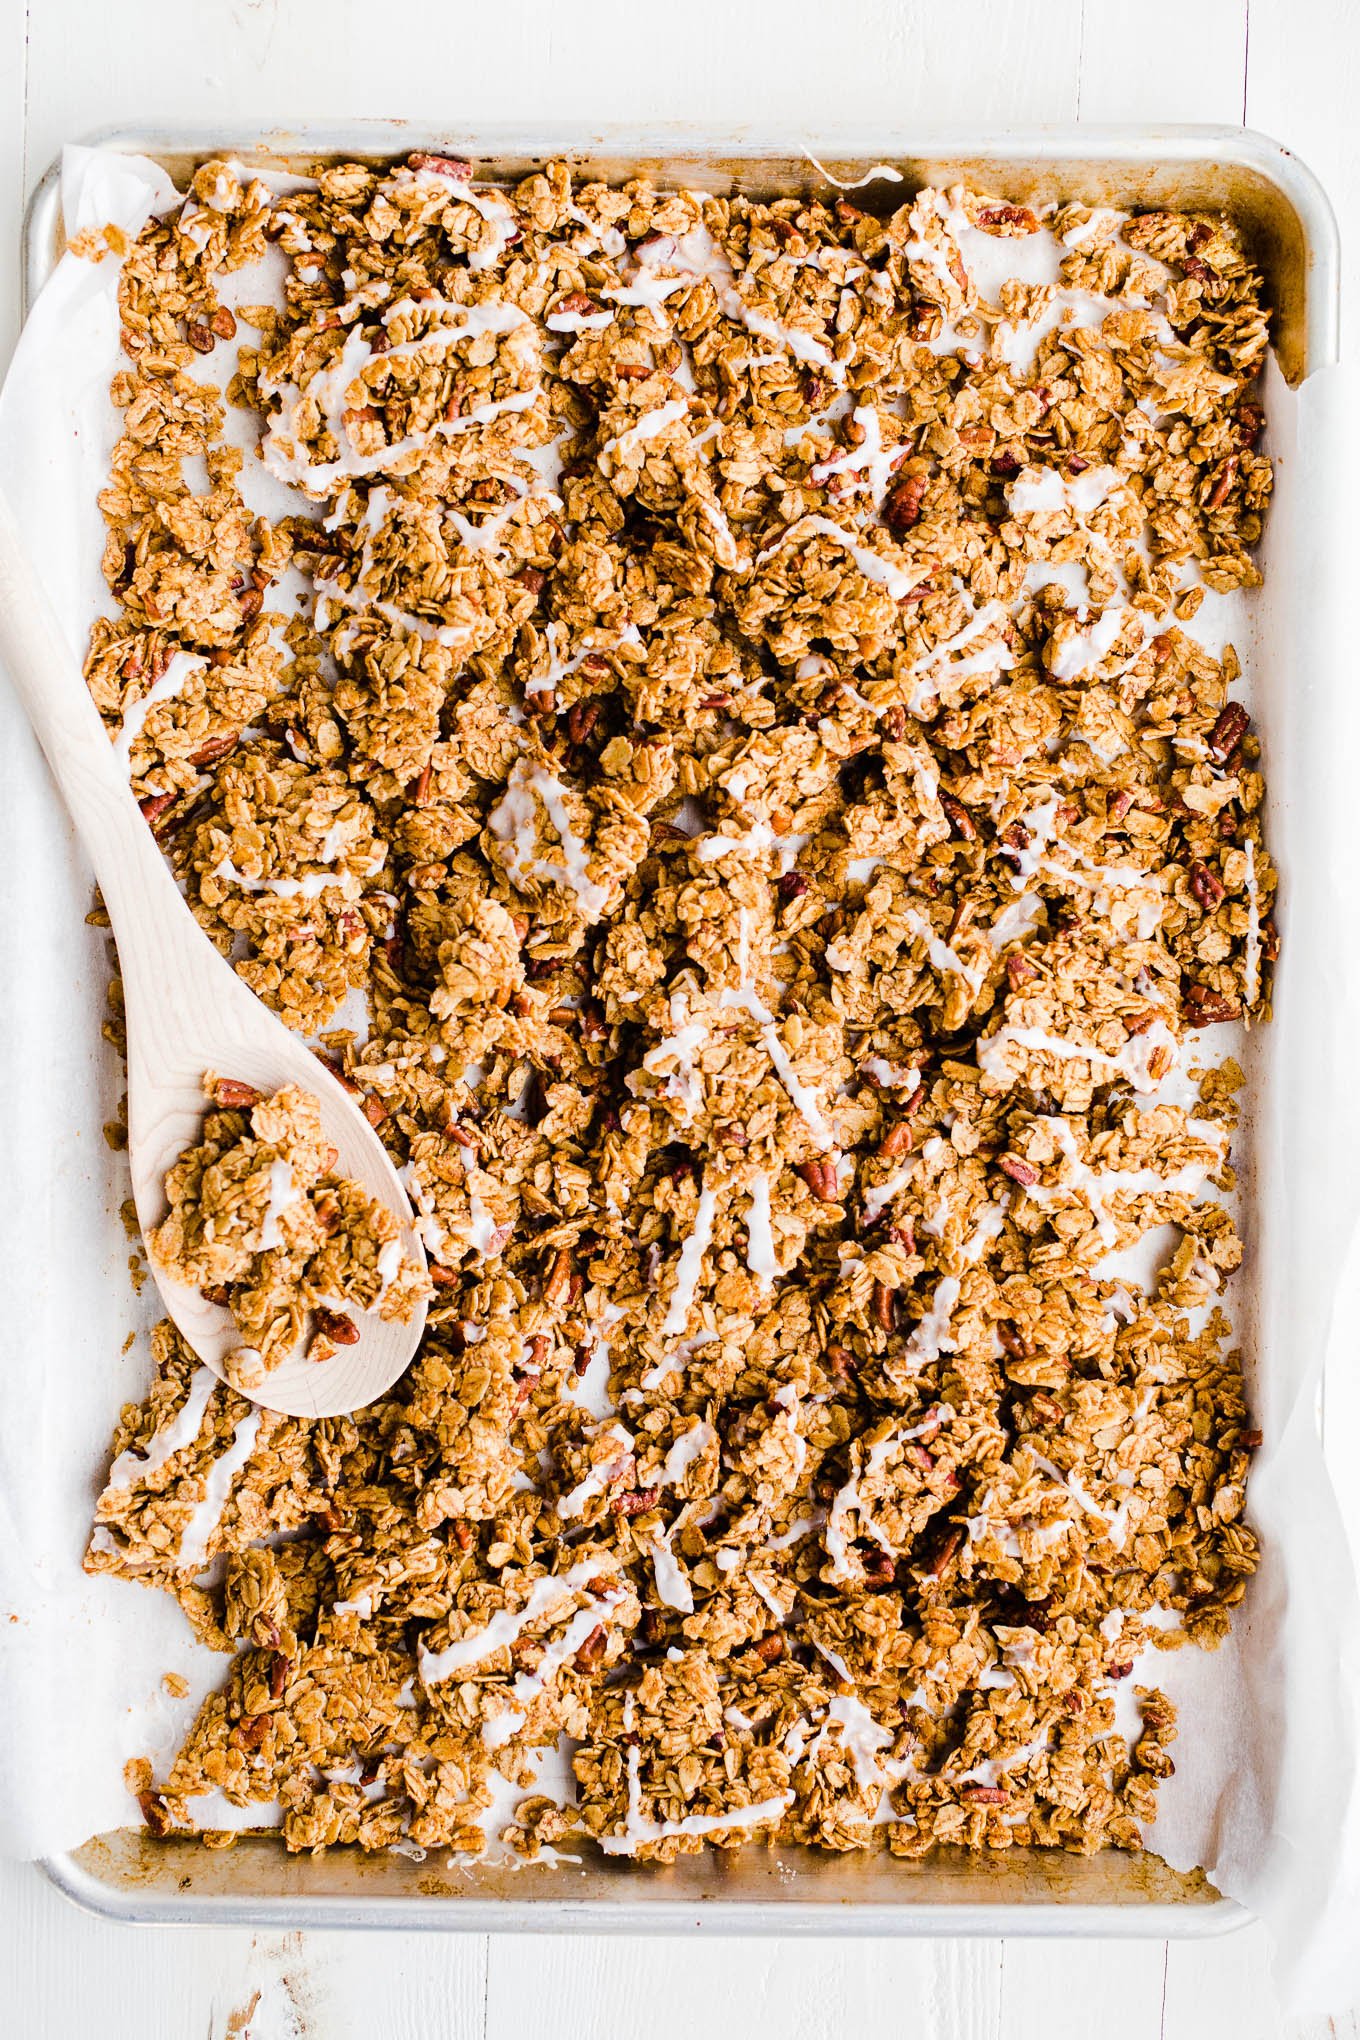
188	1012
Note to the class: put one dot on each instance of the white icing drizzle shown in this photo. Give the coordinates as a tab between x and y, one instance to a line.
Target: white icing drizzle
547	1598
284	455
494	210
637	1830
690	1266
871	463
649	426
878	174
1046	488
760	1253
672	1581
559	668
513	821
601	1473
744	997
128	1470
1132	1062
169	687
201	1526
1253	949
885	573
284	1192
695	257
1115	1520
579	322
1098	1186
691	1445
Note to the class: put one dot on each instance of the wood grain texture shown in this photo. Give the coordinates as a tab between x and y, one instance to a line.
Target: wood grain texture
911	62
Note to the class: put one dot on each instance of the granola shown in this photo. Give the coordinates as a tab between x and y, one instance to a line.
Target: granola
261	1224
709	712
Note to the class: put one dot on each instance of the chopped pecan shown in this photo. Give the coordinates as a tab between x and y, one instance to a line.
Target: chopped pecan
635	1503
337	1326
821	1180
215	748
234	1096
1012	221
592	1650
1018	1169
1228	731
1203	1005
1205	885
960	821
156	805
456	167
902	504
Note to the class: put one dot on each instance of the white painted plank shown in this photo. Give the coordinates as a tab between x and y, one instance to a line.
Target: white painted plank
1168	60
1303	87
1064	1991
792	61
13	83
743	1989
69	1974
1221	1990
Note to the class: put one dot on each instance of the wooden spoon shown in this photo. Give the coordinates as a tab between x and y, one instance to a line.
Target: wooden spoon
187	1011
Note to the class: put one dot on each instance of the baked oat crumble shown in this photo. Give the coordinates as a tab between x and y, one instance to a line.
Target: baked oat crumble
709	736
260	1223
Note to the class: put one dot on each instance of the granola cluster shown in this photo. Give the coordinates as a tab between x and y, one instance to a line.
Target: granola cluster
709	713
260	1223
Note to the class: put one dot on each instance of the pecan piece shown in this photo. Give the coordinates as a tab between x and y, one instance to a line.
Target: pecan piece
215	748
155	1812
1228	731
337	1326
1018	1169
949	1547
558	1280
1011	221
1205	885
986	1795
960	821
234	1096
199	336
1221	484
592	1650
902	504
156	805
1203	1005
821	1180
456	167
635	1504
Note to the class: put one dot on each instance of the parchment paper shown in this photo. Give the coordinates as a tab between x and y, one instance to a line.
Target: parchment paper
1265	1793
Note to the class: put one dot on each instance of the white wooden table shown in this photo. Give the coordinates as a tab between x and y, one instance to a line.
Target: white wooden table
67	67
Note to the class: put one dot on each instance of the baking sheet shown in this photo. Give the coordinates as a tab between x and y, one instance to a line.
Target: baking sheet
1263	1800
